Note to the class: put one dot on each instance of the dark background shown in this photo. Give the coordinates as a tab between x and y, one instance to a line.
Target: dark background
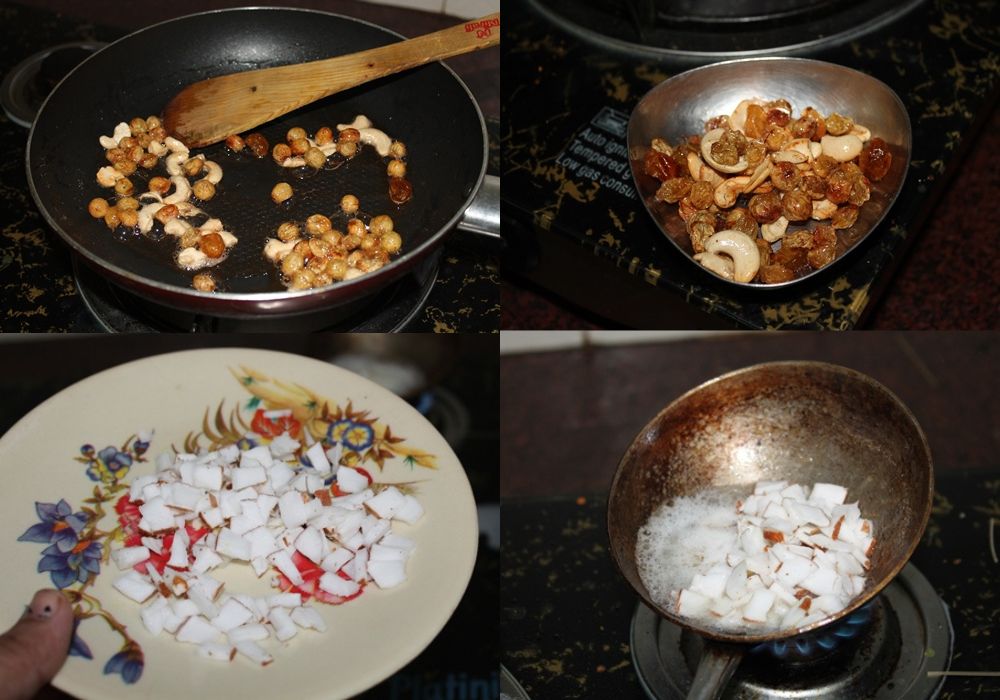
467	649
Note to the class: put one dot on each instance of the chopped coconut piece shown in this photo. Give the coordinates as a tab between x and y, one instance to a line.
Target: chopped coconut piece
308	617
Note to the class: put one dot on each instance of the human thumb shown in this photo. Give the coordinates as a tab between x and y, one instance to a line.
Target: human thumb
34	649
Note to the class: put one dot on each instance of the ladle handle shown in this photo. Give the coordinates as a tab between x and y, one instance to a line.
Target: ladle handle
716	667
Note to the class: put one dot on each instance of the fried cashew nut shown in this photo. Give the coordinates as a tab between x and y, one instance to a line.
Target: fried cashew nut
174	161
700	171
728	190
718	264
841	148
740	248
275	250
108	176
774	230
707	141
214	172
182	193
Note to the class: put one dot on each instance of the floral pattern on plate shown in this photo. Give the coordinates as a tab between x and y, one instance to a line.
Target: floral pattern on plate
77	546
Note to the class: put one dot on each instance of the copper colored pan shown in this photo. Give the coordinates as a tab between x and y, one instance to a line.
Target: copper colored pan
800	421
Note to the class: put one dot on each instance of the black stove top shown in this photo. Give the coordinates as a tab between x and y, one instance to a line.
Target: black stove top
879	651
574	71
459	293
573	628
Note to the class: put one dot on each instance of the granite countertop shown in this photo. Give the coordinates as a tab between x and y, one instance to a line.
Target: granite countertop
942	61
36	274
568	417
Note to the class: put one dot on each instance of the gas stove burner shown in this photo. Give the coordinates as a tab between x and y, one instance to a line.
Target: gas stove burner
26	86
819	643
883	650
713	29
390	310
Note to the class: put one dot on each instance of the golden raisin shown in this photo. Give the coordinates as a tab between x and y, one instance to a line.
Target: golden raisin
765	208
257	144
845	216
875	159
400	190
796	206
671	191
203	282
212	245
98	207
281	192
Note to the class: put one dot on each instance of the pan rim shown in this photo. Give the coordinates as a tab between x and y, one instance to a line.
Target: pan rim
858	601
137	282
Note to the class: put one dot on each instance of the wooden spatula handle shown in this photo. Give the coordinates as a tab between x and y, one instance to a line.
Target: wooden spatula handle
305	83
210	110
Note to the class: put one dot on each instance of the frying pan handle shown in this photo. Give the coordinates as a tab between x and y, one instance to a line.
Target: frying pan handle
716	667
483	215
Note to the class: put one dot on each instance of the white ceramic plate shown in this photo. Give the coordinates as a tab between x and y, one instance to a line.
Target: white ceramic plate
78	442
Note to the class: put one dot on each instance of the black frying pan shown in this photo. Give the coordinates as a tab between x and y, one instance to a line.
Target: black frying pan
429	109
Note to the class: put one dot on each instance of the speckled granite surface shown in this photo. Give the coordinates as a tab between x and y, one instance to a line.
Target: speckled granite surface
565	610
35	271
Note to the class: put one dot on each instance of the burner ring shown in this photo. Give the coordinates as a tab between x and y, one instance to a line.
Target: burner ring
633	38
909	601
22	96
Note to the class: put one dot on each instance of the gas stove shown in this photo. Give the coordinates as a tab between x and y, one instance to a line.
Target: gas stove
896	646
573	72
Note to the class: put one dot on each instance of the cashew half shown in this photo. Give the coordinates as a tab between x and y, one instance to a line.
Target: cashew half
706	152
186	209
183	192
360	122
177	227
108	142
379	139
175	145
145	215
108	176
700	171
799	146
228	238
774	230
790	157
174	161
214	172
727	192
721	266
823	209
759	175
211	225
192	259
275	250
157	148
841	148
862	132
741	248
293	162
738	119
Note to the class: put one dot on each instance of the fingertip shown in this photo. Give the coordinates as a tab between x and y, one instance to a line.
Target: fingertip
48	604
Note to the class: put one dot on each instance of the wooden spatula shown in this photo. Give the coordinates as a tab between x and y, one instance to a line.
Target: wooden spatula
208	111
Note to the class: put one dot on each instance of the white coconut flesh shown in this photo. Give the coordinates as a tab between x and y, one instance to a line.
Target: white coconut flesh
262	506
781	558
